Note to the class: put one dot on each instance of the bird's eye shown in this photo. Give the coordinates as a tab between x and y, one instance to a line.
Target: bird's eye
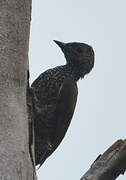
79	50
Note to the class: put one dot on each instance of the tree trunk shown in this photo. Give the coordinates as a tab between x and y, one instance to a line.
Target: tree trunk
15	161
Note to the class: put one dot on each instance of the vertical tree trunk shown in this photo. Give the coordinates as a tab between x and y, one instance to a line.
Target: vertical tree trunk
15	161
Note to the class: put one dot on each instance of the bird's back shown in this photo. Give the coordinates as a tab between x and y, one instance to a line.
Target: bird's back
48	105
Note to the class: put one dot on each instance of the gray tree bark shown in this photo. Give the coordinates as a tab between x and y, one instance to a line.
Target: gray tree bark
109	165
15	161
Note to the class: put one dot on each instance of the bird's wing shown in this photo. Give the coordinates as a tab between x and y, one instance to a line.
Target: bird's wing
64	109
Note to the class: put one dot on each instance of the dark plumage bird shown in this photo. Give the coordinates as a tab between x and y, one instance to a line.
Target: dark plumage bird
55	95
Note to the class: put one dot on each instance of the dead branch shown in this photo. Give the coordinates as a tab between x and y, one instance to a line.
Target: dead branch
109	165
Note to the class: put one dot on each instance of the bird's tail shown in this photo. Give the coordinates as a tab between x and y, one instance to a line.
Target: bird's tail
45	154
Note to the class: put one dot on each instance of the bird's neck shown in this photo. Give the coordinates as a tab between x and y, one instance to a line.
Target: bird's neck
73	71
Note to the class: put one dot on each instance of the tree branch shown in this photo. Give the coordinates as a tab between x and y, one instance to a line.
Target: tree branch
109	165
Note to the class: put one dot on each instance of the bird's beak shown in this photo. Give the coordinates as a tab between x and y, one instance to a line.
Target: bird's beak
62	45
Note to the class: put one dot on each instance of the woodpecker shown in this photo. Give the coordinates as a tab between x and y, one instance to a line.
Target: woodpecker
55	95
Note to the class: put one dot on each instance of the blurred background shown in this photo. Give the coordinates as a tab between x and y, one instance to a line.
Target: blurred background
100	116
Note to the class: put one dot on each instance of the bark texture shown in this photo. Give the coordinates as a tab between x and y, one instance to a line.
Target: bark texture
109	165
15	161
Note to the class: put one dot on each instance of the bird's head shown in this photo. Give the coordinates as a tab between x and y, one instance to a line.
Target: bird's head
79	55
